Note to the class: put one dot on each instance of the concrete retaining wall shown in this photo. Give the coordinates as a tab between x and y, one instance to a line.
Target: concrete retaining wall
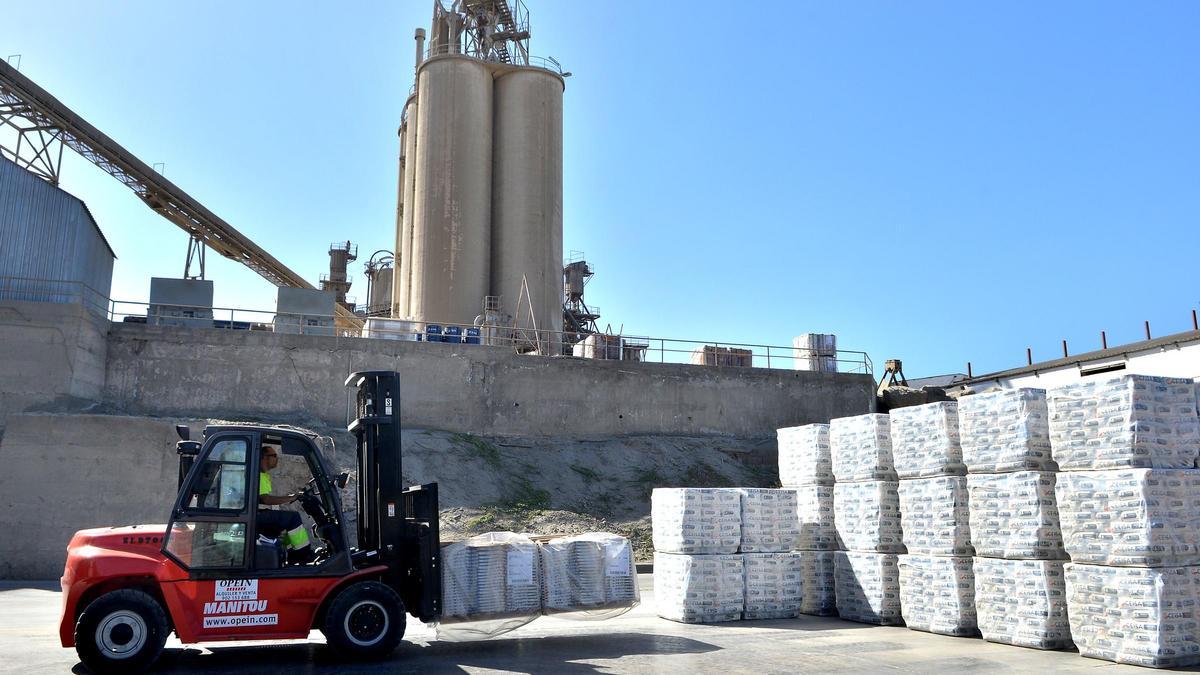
52	357
64	473
156	370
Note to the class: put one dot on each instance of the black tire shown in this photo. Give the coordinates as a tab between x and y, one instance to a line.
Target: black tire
365	621
121	632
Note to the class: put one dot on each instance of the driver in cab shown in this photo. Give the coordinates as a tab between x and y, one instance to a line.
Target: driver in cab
283	525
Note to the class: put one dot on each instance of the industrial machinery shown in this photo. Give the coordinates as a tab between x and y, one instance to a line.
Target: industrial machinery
209	575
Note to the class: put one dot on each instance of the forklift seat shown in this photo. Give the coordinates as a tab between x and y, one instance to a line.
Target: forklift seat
268	553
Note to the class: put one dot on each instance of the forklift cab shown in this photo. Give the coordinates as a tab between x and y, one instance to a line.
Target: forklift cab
215	529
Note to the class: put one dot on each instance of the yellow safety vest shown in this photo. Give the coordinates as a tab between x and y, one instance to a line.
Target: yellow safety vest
264	483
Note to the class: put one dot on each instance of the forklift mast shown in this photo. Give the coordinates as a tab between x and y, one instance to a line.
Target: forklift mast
396	527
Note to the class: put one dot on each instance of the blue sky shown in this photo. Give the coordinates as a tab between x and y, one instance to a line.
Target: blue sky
940	182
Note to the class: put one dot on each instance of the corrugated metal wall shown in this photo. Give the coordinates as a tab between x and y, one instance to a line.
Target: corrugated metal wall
51	249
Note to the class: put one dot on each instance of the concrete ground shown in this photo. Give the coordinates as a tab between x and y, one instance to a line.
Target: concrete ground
636	642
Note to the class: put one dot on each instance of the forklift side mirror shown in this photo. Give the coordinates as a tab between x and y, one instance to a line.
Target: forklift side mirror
185	434
342	479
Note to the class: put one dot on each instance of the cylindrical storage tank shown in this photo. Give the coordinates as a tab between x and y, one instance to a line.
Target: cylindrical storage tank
402	280
394	308
381	290
452	192
527	186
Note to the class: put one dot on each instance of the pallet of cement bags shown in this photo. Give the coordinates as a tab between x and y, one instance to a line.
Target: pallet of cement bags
589	575
804	455
493	581
866	516
814	515
699	588
696	520
925	441
774	585
1140	616
861	447
1128	421
1131	517
817	583
868	587
1022	602
1005	430
1015	515
769	521
934	517
937	594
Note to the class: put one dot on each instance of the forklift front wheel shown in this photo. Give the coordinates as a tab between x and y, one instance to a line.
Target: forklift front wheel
365	621
121	632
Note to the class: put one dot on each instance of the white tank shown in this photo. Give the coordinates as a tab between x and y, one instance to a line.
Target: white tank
452	193
402	284
527	216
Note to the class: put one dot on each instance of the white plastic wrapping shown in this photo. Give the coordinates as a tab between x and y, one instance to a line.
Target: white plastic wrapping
1005	430
804	455
817	583
1131	517
590	575
491	581
696	520
814	513
774	585
868	587
934	516
1140	616
699	588
815	352
769	522
1015	515
861	447
867	516
925	440
937	594
1022	602
1127	421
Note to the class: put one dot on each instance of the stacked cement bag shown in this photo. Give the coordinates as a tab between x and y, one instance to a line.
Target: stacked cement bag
696	520
1128	506
769	521
492	580
866	508
804	457
1020	595
593	573
699	588
868	587
699	575
937	594
806	467
1127	421
937	589
774	585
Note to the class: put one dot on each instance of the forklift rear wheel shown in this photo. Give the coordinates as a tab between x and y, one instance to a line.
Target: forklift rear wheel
366	620
120	632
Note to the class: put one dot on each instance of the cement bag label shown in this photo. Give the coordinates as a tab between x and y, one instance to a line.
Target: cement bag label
616	553
236	589
520	566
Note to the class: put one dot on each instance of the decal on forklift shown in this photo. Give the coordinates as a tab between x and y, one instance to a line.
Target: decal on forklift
236	589
232	598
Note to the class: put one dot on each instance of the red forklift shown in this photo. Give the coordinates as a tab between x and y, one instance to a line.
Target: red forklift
209	576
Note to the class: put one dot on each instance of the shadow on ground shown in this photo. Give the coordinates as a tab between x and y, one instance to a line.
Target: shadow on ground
554	654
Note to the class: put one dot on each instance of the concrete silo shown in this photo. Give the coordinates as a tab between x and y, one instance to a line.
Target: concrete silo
527	199
482	185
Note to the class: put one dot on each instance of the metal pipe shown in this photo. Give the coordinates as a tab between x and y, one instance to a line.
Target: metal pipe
1195	326
1147	330
970	375
1029	355
419	36
1103	340
1064	349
